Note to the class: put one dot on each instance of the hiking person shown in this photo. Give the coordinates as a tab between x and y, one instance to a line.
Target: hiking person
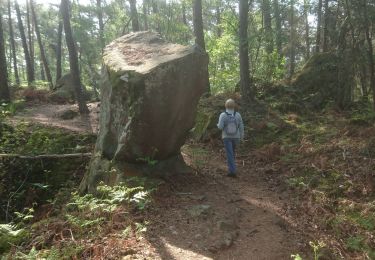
231	125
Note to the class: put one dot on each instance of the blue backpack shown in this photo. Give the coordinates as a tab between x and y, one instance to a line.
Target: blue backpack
231	125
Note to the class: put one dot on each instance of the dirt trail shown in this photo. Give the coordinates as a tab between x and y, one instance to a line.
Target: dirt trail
50	115
246	217
206	215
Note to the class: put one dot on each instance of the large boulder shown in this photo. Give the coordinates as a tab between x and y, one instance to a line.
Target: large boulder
317	81
149	93
64	90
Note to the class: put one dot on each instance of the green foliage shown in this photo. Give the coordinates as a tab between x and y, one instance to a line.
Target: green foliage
224	63
317	246
11	235
90	210
69	251
20	178
296	257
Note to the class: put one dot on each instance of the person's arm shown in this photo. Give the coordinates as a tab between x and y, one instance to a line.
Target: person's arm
242	129
220	124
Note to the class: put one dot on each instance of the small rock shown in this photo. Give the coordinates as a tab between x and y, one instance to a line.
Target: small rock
198	236
198	197
227	225
68	114
199	210
129	252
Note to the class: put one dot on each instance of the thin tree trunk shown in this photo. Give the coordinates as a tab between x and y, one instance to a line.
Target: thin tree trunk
218	19
278	27
134	15
43	56
306	10
198	32
59	50
245	83
13	45
292	41
198	24
30	34
184	20
29	67
42	74
370	50
325	27
266	8
73	58
318	27
101	23
4	88
145	14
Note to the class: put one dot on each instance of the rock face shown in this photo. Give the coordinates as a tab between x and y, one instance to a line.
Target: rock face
149	92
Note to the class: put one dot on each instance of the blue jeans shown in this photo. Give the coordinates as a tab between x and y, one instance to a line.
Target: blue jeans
230	149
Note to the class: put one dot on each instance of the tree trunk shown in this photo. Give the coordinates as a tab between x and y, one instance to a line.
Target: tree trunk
278	27
29	65
59	50
101	23
325	27
134	15
73	57
41	47
344	69
370	50
13	45
266	9
145	14
184	20
245	84
318	27
218	19
198	24
42	74
30	29
4	88
306	11
292	56
198	31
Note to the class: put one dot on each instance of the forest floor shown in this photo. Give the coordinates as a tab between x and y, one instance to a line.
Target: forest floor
274	209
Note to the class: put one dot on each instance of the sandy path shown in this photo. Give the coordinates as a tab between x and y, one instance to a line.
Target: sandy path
253	209
48	114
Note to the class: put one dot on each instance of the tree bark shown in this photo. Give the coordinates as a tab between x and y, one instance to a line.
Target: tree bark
218	19
325	27
30	34
292	56
306	10
198	31
13	45
318	27
134	15
198	23
266	9
245	83
101	23
59	49
145	14
73	58
43	56
278	27
370	50
29	68
4	88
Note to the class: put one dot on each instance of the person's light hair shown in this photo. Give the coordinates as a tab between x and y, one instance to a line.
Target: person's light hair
230	104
